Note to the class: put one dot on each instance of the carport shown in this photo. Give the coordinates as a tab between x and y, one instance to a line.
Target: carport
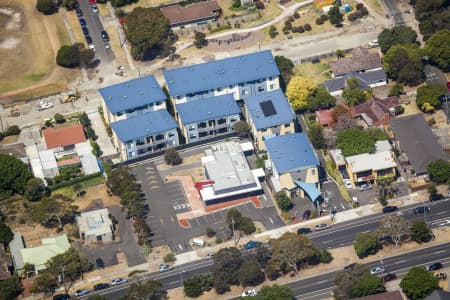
310	189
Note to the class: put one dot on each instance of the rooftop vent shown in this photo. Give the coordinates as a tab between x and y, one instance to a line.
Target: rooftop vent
109	97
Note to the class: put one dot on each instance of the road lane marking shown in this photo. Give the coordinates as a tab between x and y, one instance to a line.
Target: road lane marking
174	282
270	219
162	221
181	247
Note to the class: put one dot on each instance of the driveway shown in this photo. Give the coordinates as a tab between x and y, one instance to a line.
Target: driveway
434	75
103	140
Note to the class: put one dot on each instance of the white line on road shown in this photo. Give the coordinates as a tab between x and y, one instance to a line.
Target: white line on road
441	251
181	247
441	213
270	219
399	262
173	282
342	205
162	221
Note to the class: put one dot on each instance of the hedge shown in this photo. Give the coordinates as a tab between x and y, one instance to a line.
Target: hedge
73	181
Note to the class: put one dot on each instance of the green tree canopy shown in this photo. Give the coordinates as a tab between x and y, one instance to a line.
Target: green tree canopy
225	268
148	31
439	171
316	136
241	128
437	48
320	98
172	157
286	67
429	94
420	232
344	281
438	21
250	273
403	63
365	244
6	234
47	7
68	56
149	289
283	201
45	282
35	189
118	3
200	40
275	292
15	175
335	16
196	285
56	209
399	35
418	283
367	285
353	141
10	288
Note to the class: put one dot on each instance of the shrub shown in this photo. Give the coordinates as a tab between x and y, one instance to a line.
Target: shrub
294	29
259	5
296	15
273	31
287	25
68	56
324	17
90	133
291	19
169	257
59	118
12	130
319	21
307	27
300	29
210	232
195	286
47	7
172	157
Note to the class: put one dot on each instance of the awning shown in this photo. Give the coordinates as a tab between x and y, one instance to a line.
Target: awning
310	189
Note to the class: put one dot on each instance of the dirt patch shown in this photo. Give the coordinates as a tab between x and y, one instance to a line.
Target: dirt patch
186	161
93	195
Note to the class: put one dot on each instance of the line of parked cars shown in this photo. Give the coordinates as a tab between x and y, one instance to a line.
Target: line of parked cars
84	28
97	287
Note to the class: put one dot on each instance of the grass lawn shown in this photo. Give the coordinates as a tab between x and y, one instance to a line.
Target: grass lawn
227	12
270	11
317	72
76	27
10	139
340	183
69	191
66	124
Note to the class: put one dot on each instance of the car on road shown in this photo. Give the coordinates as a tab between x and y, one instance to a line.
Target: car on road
44	105
322	226
349	267
164	268
88	40
373	43
79	12
436	197
82	22
101	286
348	184
304	230
389	209
377	271
250	293
99	263
421	210
389	277
435	266
94	8
105	36
61	297
365	187
252	245
79	293
85	31
209	256
306	215
441	276
118	281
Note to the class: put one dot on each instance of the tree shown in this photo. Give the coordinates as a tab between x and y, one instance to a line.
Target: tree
98	296
342	117
418	283
283	201
47	7
84	120
437	21
10	288
298	90
335	16
250	273
365	244
118	3
286	67
439	171
68	56
344	281
196	285
45	282
403	63
275	292
90	133
426	8
315	135
420	232
56	209
320	98
399	35
210	232
394	227
396	90
353	95
149	289
6	234
96	149
15	175
430	94
200	40
246	225
353	141
273	32
85	56
340	53
225	268
69	4
59	118
241	128
35	189
367	285
172	157
12	130
148	31
438	49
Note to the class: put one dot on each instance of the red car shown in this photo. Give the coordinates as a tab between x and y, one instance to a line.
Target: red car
389	277
306	215
91	2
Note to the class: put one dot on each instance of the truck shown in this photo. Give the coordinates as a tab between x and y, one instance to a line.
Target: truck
70	97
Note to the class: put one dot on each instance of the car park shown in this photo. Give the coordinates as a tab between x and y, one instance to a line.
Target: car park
435	266
322	226
389	209
94	8
252	245
436	197
306	215
348	184
441	276
349	267
421	210
365	187
79	12
79	293
61	297
304	230
82	22
377	271
389	277
164	268
118	281
105	36
101	286
99	263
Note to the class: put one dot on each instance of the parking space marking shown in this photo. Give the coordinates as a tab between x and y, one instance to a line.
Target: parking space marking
181	247
171	218
162	221
271	221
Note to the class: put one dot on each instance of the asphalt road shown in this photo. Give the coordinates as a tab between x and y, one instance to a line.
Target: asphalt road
339	235
391	5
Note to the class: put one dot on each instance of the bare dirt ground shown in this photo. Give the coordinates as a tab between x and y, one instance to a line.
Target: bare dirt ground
28	47
94	194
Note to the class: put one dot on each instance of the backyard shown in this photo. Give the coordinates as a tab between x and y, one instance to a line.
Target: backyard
318	72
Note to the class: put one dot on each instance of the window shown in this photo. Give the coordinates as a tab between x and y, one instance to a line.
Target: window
233	120
231	86
219	89
202	134
159	137
158	103
140	142
270	78
201	125
222	130
221	121
119	114
149	139
192	136
271	87
287	125
260	89
244	92
264	130
191	128
171	134
212	123
178	97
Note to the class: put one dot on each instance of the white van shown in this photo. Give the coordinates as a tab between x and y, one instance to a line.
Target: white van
198	242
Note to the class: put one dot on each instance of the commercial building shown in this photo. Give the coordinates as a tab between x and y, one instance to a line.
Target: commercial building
132	98
242	76
143	134
95	226
293	165
207	118
191	15
228	175
269	114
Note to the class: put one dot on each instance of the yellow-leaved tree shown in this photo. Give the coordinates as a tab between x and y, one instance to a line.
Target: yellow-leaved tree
298	90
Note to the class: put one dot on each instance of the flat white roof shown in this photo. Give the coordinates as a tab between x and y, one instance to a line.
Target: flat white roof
48	159
95	222
376	161
381	146
337	156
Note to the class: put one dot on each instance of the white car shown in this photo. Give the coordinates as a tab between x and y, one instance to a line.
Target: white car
164	268
322	226
377	271
210	256
373	43
81	292
250	293
94	8
44	105
118	281
365	187
348	184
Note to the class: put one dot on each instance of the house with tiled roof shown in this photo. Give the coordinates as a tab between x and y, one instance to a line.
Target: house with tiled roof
376	112
191	15
64	137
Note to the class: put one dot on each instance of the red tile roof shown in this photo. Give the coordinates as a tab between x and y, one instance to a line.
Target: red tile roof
376	109
361	60
67	162
324	117
178	14
64	136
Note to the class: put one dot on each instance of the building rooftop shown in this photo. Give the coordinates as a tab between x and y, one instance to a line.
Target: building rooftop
371	161
269	109
438	295
95	222
144	125
15	246
178	14
324	117
361	60
63	136
209	108
364	80
16	149
88	160
49	248
220	73
132	94
417	141
394	295
376	111
291	152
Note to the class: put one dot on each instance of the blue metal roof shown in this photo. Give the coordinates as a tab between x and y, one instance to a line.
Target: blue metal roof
131	94
144	125
310	189
291	152
283	112
221	73
208	108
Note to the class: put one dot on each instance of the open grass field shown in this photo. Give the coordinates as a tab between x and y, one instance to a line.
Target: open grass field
29	42
317	72
70	192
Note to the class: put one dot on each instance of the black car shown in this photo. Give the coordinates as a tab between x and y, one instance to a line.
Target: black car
99	263
434	267
421	210
79	12
304	230
82	22
389	209
306	214
85	31
105	36
349	267
436	197
88	39
61	297
101	286
389	277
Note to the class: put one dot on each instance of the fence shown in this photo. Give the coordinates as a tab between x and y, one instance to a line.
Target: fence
320	56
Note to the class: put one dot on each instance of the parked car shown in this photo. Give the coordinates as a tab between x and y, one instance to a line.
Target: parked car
421	210
304	230
435	266
349	267
118	281
436	197
441	276
306	214
373	43
389	209
79	12
164	268
85	31
94	8
99	263
348	184
61	297
389	277
365	187
79	293
82	22
322	226
377	271
105	36
250	293
252	245
101	286
210	256
88	40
